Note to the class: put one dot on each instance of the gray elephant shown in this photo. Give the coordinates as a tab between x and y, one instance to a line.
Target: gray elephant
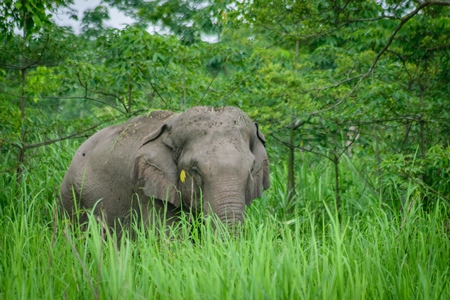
157	165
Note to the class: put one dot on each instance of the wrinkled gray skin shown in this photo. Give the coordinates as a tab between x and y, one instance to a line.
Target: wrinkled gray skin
136	166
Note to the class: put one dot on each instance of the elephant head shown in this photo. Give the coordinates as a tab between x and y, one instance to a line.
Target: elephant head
205	159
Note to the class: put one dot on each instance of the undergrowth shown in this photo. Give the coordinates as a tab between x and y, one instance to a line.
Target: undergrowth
286	250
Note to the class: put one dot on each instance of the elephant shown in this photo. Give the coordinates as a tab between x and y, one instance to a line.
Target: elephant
204	160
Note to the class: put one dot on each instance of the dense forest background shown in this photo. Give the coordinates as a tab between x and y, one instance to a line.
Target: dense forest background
353	97
326	80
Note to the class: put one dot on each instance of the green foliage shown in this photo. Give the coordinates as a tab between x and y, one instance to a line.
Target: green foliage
10	122
430	174
29	15
311	73
364	106
29	82
188	20
323	67
358	89
92	23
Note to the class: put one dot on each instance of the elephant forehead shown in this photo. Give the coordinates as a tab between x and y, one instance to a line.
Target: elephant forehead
214	137
196	110
208	125
219	147
208	116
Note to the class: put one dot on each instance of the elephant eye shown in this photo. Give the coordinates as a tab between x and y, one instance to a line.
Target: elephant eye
194	168
195	173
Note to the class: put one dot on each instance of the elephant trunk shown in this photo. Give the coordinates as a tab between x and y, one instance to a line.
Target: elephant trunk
227	204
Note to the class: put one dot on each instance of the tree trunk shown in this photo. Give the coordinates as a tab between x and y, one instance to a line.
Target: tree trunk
427	180
183	100
291	168
23	98
291	155
378	157
21	158
422	124
336	179
130	96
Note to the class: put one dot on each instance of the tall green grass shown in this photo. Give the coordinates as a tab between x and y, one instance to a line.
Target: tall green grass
303	250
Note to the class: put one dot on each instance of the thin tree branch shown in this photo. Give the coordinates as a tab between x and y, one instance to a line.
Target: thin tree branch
48	142
151	84
100	92
66	98
403	21
30	65
211	82
70	136
429	188
34	64
87	98
300	148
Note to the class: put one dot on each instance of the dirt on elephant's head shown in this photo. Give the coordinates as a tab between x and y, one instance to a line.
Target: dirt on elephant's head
160	114
217	122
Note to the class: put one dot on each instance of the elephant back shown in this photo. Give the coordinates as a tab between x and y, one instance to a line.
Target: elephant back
101	166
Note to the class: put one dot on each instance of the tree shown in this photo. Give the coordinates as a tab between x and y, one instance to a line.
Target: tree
22	53
189	20
92	24
338	54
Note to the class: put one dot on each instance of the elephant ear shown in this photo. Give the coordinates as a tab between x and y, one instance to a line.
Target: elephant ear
154	169
259	178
